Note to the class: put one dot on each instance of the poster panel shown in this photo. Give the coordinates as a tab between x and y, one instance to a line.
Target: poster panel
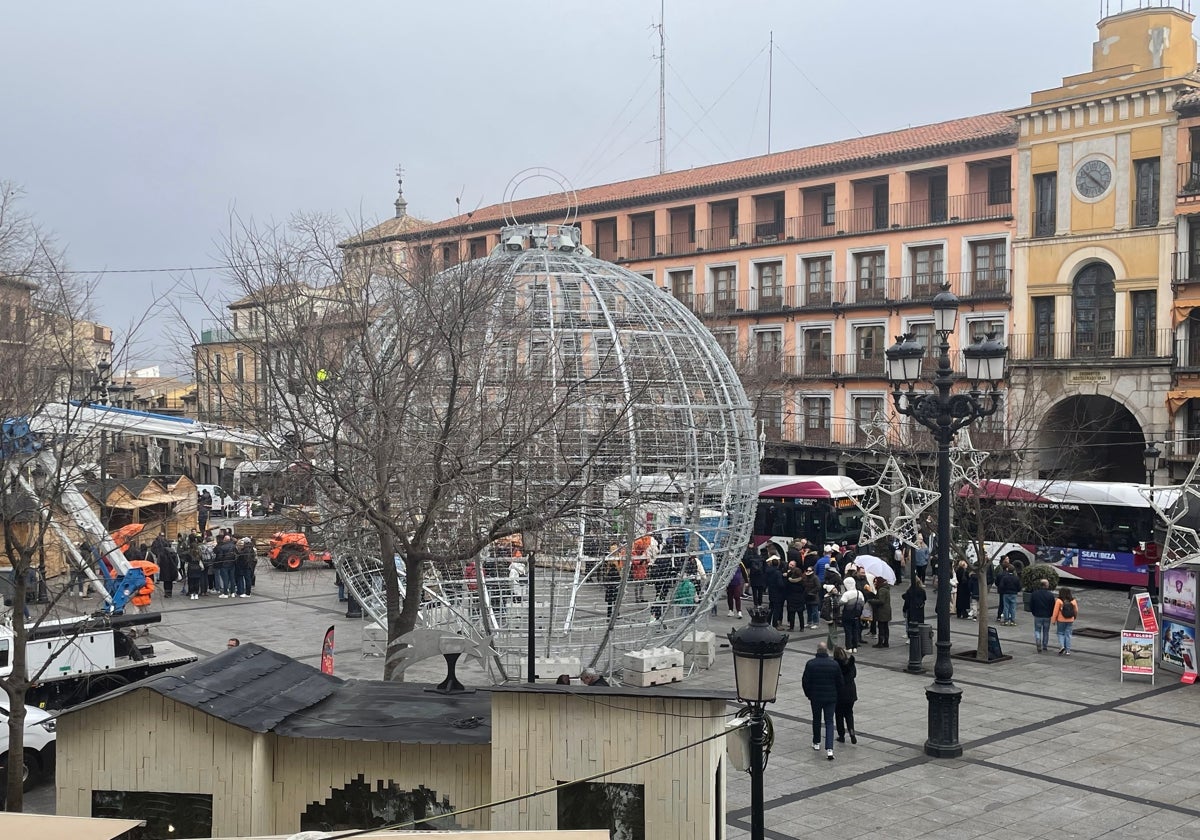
1179	645
1137	652
1146	611
1179	594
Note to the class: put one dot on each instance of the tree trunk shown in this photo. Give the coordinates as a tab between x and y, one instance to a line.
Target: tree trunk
15	686
981	643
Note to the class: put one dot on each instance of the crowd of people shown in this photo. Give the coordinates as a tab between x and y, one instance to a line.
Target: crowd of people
215	563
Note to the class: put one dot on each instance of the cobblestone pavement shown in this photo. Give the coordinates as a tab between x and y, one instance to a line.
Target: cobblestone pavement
1054	747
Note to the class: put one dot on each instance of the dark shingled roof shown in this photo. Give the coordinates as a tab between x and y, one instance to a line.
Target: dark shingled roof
372	710
247	686
264	691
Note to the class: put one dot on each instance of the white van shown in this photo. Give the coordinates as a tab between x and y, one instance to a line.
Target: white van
223	504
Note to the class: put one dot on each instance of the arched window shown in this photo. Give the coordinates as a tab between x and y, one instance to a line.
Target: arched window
1095	302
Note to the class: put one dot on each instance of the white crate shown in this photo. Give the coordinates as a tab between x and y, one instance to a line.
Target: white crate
648	678
652	659
552	667
700	660
700	641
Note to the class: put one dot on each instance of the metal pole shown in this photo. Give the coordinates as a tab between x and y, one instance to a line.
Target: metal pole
757	717
943	695
530	652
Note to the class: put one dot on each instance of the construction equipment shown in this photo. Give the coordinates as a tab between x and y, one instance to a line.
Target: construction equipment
290	550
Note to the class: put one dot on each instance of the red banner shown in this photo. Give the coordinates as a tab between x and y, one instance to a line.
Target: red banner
327	652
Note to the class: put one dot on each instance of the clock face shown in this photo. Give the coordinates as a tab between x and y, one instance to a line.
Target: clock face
1093	178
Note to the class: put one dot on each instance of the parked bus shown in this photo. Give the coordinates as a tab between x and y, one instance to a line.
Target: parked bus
820	508
1088	530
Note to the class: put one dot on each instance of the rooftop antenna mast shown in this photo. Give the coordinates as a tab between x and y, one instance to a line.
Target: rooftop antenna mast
770	86
662	89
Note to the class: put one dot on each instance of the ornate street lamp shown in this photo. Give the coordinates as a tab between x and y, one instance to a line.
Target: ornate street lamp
944	413
757	657
1150	456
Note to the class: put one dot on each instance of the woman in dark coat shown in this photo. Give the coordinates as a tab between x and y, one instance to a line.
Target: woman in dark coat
881	611
776	592
795	595
962	596
756	570
914	602
847	695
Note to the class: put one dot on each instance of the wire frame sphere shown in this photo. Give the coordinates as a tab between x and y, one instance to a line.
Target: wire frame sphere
662	423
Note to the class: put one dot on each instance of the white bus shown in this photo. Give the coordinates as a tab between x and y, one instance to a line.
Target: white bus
820	508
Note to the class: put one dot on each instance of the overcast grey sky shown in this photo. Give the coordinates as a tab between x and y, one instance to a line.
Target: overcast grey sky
137	127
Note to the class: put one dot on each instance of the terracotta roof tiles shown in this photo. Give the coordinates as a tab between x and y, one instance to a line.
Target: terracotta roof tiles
860	152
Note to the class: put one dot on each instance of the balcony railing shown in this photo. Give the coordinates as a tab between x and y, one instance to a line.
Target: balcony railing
992	284
1187	354
224	334
1186	267
1100	346
1189	179
820	432
955	209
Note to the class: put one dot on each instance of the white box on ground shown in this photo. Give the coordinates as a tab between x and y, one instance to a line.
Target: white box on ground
374	639
700	641
553	667
700	659
652	659
662	676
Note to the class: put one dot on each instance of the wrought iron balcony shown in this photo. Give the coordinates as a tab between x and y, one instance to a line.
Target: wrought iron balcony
1185	267
1154	346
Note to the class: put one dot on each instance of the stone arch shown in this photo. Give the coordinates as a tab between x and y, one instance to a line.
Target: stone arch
1092	437
1085	256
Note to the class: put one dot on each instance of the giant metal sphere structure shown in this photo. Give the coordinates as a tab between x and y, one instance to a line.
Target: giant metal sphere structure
674	483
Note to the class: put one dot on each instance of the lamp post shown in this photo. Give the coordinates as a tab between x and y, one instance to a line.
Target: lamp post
943	413
529	542
757	657
1150	456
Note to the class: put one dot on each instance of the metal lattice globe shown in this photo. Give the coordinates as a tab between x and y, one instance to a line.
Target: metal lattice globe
674	489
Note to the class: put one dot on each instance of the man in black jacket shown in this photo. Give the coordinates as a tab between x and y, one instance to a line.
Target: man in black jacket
1041	604
776	592
1008	585
224	556
821	682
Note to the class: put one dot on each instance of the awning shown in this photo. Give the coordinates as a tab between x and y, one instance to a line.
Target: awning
1178	398
1187	299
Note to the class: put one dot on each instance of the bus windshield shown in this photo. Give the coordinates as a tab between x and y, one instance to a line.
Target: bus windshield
820	509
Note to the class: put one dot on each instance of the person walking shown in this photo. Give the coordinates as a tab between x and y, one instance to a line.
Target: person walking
1008	585
1041	605
733	592
756	567
847	696
852	603
1066	611
685	596
794	595
822	683
881	611
776	592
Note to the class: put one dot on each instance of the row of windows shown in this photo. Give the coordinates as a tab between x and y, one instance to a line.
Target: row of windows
989	262
1145	187
815	412
870	341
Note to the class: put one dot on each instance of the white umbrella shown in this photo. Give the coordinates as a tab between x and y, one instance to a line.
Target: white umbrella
875	567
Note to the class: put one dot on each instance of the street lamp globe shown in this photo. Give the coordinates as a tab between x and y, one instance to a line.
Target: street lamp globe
904	359
757	659
983	360
1151	457
945	310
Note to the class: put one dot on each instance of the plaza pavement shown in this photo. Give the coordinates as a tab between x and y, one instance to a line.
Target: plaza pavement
1054	747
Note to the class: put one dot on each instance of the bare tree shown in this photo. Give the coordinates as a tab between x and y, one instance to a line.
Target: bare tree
427	404
41	355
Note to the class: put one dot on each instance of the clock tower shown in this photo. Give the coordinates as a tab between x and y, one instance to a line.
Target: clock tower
1096	183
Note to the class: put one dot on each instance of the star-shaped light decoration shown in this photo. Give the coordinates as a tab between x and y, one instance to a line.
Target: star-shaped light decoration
876	432
1173	505
906	502
966	462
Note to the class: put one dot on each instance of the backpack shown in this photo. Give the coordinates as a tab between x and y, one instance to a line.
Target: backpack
1068	609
